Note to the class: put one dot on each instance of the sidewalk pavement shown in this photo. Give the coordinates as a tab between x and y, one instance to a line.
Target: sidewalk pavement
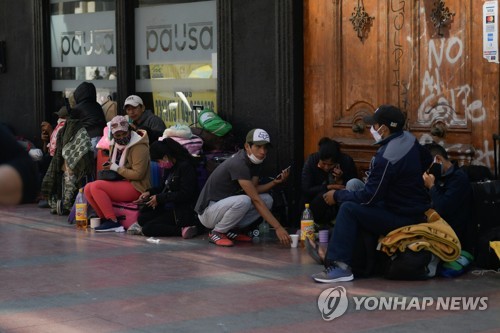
55	278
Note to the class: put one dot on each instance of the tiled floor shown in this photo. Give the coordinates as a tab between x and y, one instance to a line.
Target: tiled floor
57	279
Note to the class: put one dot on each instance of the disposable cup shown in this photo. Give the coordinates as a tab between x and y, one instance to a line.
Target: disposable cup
95	222
323	236
295	240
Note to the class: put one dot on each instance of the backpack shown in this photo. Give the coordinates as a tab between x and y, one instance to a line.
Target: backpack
409	265
110	109
213	123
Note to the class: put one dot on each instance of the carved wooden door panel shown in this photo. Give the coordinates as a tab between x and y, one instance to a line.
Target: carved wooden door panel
436	75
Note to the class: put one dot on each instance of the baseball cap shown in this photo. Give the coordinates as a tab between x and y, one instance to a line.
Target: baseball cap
387	115
258	136
118	123
63	112
133	100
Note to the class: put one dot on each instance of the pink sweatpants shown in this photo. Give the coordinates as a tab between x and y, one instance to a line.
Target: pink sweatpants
101	193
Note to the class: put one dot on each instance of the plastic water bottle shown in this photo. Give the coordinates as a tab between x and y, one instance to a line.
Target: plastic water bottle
81	211
306	225
264	229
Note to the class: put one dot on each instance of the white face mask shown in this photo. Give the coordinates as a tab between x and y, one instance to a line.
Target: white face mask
254	159
376	135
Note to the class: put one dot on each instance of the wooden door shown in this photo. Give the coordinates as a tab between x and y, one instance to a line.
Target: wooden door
438	77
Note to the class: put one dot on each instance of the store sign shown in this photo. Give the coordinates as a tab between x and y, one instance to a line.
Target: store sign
83	39
490	31
180	32
178	38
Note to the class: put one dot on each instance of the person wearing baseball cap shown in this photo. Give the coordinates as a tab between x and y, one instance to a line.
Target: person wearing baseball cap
388	118
140	118
394	194
232	197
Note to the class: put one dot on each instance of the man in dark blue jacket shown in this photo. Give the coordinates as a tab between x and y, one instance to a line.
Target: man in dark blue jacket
451	192
394	194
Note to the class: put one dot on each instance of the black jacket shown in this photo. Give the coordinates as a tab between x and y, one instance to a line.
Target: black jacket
180	191
315	181
87	110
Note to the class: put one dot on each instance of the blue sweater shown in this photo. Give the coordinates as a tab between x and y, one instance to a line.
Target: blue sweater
395	177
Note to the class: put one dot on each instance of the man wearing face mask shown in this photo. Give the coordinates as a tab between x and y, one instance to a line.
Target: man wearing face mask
450	191
232	197
394	194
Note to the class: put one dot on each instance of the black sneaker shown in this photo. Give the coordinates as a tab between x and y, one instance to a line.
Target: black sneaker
108	226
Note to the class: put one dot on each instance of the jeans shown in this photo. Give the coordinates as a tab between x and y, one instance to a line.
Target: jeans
374	219
93	142
232	212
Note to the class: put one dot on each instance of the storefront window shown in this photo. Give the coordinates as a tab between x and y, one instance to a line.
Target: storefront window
176	57
83	46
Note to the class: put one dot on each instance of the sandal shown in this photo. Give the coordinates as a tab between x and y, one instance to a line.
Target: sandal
312	249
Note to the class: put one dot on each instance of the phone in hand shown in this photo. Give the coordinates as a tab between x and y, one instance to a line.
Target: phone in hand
435	170
284	170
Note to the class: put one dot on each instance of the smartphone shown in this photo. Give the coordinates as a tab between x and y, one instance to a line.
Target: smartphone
435	170
286	169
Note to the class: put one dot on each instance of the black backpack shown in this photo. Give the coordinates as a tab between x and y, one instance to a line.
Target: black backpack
409	265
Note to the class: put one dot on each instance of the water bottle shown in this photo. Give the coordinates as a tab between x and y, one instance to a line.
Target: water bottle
306	225
264	229
81	211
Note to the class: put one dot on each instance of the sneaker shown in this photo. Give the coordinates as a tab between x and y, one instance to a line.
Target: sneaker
219	238
235	236
334	274
107	226
189	232
135	229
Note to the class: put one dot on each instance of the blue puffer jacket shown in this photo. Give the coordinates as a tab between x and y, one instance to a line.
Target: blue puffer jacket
395	177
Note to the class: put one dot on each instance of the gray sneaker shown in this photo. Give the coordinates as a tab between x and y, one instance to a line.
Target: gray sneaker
334	274
135	229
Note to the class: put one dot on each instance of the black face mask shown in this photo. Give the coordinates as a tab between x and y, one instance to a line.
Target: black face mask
124	141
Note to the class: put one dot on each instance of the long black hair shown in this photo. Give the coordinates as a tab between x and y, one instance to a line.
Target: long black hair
170	148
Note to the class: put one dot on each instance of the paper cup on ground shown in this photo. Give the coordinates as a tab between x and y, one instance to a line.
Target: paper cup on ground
323	236
95	222
295	240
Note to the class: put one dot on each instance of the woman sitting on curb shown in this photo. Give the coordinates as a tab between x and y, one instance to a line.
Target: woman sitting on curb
129	158
169	210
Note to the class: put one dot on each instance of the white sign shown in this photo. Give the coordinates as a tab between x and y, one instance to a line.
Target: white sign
83	39
334	302
490	31
176	33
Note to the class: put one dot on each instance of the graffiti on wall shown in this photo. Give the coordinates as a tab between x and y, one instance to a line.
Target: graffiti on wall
398	21
481	156
440	100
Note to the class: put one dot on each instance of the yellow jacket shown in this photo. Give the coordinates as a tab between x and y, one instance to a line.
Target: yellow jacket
435	235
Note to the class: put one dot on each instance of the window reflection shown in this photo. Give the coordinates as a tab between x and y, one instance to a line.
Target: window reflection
176	57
